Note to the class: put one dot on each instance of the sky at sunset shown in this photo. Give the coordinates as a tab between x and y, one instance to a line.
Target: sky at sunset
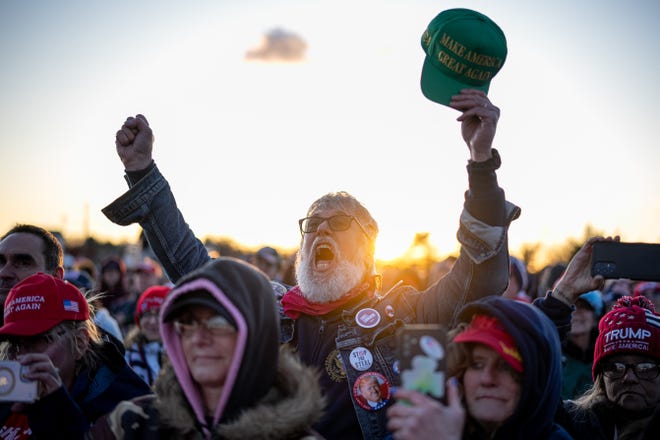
260	107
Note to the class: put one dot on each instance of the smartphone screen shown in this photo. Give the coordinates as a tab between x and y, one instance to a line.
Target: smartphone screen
421	355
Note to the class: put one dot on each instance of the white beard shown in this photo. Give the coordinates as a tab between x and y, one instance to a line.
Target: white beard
329	286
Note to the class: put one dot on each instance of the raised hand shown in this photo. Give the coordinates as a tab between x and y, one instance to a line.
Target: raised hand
422	417
478	122
134	142
577	278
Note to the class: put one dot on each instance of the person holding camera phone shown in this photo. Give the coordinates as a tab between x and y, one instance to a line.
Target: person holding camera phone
624	401
49	330
504	364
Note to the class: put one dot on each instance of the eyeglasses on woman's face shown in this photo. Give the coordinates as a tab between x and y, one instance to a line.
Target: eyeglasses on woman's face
215	326
643	370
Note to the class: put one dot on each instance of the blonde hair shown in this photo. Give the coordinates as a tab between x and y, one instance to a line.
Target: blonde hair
593	397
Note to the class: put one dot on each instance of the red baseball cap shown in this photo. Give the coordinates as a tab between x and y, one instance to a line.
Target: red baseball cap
39	303
487	330
151	299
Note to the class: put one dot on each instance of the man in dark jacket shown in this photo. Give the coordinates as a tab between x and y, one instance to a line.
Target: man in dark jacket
338	319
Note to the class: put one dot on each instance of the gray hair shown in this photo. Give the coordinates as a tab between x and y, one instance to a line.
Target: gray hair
345	202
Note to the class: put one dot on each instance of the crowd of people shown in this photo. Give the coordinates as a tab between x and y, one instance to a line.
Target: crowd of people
192	345
567	365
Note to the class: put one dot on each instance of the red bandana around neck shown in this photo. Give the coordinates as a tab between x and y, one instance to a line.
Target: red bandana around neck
294	303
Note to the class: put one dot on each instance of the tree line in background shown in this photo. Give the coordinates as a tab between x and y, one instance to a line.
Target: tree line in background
420	265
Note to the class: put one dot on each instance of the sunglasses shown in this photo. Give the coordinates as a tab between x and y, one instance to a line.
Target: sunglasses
215	326
643	370
339	222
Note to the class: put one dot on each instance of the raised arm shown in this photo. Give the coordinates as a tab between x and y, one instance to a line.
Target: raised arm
150	202
483	263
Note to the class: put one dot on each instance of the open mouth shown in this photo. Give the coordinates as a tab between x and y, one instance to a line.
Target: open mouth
323	256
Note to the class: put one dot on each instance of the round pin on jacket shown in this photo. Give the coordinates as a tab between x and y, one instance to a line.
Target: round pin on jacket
361	359
367	318
371	391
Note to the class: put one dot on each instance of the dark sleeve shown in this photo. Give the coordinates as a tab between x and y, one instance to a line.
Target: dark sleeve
558	312
57	415
485	199
134	176
483	262
101	430
151	203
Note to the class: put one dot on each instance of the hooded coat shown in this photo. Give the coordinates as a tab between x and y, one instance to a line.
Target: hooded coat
268	393
538	343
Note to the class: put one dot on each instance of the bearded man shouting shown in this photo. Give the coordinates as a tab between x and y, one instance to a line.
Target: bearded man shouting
336	316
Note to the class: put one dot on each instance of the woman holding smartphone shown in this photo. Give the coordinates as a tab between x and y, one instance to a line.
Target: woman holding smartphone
505	365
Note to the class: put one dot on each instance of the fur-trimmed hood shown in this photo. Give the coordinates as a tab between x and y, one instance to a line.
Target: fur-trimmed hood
244	295
288	409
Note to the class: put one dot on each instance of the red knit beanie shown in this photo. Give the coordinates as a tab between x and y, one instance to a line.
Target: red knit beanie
632	326
152	298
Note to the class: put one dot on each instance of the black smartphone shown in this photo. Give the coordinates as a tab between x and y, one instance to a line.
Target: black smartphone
634	261
421	352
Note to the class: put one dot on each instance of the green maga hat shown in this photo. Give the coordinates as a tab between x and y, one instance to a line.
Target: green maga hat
464	50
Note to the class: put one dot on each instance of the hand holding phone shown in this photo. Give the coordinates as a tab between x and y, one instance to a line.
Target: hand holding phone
634	261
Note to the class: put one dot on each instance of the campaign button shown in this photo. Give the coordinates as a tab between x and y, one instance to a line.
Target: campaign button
361	358
367	318
371	391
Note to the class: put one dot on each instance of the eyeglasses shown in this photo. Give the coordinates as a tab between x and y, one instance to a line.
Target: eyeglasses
643	370
215	326
339	222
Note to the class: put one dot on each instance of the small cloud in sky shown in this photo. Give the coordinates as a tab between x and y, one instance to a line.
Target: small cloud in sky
278	45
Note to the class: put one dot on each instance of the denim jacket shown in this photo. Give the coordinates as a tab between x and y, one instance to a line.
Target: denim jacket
328	341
